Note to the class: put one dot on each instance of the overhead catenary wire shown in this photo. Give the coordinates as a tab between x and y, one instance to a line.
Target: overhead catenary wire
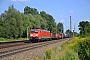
16	0
21	3
25	4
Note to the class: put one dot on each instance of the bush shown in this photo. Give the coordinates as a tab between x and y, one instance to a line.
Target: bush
6	40
48	53
2	39
67	53
76	49
82	47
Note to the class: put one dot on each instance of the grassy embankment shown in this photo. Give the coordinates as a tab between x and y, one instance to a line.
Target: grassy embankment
75	49
8	40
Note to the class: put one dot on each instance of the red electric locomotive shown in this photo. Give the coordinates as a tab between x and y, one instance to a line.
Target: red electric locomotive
38	34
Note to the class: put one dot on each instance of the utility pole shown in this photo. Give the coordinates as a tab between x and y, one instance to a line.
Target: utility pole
56	27
74	31
27	32
70	27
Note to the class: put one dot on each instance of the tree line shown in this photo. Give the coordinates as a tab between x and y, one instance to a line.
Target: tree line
14	24
84	27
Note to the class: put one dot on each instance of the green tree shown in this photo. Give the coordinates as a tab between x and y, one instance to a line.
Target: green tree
67	31
51	24
28	10
12	23
40	22
26	24
43	15
84	28
1	28
60	28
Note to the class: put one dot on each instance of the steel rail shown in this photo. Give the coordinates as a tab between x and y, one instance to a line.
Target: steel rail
10	52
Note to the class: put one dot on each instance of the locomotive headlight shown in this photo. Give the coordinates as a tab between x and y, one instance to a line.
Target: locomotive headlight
36	34
31	34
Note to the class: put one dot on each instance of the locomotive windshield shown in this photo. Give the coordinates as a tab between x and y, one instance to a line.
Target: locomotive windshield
34	30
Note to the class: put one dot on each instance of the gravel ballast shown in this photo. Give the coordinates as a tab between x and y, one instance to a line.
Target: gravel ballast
32	54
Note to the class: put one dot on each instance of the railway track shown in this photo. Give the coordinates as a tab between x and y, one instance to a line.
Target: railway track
16	41
10	44
14	51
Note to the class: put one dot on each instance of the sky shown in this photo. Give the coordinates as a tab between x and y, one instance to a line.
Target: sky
61	10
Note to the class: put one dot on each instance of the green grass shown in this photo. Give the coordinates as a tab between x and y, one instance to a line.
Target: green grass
10	40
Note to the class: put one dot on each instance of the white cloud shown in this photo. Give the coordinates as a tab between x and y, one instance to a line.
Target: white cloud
61	16
20	0
62	21
71	11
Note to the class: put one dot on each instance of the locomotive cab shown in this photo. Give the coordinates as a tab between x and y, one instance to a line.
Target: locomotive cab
34	35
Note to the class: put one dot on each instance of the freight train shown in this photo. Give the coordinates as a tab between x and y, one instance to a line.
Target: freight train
37	34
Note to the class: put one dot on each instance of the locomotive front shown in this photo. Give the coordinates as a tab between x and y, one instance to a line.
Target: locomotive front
34	35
